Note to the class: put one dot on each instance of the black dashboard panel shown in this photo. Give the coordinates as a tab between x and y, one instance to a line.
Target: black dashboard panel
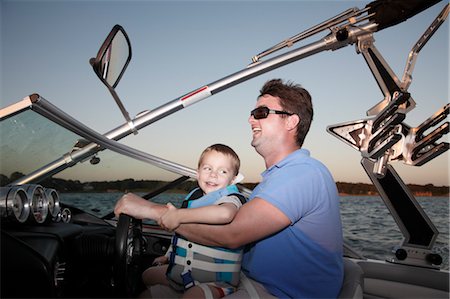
50	260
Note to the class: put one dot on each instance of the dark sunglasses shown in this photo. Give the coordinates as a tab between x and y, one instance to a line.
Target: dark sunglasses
263	112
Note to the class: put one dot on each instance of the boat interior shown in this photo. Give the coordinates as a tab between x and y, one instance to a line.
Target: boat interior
53	249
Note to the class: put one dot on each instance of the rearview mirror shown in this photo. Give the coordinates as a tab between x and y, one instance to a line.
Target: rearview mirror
110	64
113	57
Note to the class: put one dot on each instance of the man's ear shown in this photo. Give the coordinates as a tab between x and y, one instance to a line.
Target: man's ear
292	122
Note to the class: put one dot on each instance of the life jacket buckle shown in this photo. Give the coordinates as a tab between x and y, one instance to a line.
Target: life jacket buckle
188	281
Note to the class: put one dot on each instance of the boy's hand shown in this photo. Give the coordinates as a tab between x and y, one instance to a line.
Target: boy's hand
160	260
139	208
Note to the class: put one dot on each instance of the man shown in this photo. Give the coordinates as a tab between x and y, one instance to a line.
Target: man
291	224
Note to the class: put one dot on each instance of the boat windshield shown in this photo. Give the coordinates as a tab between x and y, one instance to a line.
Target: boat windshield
30	141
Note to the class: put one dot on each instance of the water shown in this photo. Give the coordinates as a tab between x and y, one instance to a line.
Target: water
370	229
367	224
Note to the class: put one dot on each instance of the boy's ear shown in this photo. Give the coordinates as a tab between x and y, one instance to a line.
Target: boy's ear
238	178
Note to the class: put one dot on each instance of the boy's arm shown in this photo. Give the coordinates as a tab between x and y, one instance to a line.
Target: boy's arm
214	214
139	208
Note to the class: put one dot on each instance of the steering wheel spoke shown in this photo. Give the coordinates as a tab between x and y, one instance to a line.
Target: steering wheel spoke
127	256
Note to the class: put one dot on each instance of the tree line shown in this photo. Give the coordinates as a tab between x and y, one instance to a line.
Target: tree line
369	189
63	185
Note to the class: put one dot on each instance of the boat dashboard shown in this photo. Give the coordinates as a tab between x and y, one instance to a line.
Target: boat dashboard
32	203
69	253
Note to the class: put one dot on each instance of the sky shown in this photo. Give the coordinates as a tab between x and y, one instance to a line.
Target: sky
179	46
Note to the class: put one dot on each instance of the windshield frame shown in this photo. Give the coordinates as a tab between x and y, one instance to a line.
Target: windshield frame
97	141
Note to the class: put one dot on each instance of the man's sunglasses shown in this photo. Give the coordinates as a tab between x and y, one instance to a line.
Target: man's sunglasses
263	112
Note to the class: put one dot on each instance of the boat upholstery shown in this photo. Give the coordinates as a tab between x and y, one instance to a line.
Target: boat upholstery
389	280
353	284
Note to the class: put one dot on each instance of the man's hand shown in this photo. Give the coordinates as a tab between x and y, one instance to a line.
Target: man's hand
169	220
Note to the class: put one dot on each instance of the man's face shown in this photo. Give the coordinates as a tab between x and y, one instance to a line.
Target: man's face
267	132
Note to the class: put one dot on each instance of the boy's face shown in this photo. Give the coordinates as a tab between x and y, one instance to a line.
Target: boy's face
215	172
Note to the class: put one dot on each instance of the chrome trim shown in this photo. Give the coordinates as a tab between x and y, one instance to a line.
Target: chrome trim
10	206
53	202
38	202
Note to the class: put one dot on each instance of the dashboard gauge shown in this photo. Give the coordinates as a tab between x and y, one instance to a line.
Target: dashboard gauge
39	202
66	215
53	202
14	201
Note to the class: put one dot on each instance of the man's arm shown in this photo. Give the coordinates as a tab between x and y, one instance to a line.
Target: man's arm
255	220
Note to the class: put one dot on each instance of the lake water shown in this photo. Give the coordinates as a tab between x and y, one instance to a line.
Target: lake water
367	224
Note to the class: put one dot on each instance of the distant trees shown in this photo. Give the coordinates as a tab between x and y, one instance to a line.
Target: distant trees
100	186
429	189
147	185
4	180
369	189
356	189
113	186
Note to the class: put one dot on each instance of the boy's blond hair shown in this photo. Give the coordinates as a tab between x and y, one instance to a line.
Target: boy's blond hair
226	150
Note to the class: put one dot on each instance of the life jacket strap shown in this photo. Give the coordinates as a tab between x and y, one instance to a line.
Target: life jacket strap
207	266
234	256
206	291
248	286
172	254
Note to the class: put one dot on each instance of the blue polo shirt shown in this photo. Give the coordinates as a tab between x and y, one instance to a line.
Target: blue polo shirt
303	260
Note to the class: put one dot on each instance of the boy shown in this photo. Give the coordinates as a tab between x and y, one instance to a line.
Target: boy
195	268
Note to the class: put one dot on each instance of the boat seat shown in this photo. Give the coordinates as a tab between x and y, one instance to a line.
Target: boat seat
353	284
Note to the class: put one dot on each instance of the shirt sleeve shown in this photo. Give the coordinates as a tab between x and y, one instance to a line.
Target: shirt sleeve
229	199
291	190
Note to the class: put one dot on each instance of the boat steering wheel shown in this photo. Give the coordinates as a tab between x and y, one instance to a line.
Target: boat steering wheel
127	256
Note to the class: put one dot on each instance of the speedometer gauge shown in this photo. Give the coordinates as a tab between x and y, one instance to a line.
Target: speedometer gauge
39	202
53	202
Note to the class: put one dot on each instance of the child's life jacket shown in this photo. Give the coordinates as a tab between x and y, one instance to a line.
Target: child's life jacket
192	263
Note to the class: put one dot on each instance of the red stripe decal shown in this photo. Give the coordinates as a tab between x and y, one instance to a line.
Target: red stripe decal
194	93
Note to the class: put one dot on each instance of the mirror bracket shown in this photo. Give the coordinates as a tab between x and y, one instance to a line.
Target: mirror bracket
110	63
123	110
